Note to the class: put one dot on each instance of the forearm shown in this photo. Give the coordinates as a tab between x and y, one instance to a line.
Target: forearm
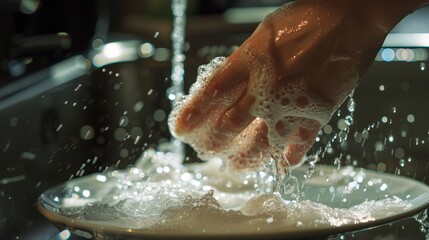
361	27
384	15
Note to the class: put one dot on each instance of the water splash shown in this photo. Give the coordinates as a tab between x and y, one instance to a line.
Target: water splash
423	220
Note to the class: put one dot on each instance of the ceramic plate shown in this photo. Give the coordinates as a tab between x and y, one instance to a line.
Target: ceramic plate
339	188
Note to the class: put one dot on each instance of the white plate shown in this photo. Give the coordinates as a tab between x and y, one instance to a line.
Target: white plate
339	188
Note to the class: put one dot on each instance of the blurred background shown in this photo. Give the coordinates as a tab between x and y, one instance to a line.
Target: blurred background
83	89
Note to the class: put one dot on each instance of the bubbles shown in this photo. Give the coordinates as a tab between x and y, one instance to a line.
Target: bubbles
162	197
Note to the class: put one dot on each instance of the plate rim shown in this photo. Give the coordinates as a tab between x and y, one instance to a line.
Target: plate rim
96	227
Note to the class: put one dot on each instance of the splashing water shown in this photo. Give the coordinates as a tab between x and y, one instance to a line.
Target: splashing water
423	220
159	196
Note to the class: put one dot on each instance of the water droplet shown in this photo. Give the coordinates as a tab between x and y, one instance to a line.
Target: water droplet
410	118
123	121
13	122
150	92
159	115
422	66
349	120
381	88
399	153
365	134
379	146
78	87
327	129
87	132
116	86
401	162
381	167
398	171
337	161
120	134
124	153
156	34
338	112
138	106
341	124
351	105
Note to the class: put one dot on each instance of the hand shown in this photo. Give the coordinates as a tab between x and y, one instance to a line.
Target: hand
272	95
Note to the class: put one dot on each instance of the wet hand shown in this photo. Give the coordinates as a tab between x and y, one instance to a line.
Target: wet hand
271	96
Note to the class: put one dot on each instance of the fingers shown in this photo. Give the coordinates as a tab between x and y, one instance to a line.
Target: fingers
237	117
253	148
220	91
302	140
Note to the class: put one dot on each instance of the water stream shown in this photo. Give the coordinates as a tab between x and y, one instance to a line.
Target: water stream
176	91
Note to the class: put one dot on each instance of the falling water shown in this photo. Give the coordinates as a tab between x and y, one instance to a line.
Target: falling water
176	90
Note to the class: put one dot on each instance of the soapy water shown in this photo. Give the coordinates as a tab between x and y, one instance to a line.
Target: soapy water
175	92
158	196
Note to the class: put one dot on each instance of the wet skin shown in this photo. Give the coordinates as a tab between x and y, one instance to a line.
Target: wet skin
315	52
